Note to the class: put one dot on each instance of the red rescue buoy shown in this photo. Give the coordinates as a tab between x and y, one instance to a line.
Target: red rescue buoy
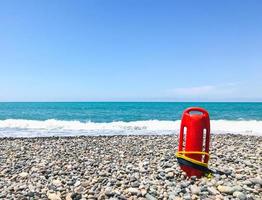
194	140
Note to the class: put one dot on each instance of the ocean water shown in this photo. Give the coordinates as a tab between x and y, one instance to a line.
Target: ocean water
125	118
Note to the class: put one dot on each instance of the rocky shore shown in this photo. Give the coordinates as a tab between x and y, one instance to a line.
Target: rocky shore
125	167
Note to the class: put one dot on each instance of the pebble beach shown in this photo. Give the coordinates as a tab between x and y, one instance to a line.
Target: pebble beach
126	167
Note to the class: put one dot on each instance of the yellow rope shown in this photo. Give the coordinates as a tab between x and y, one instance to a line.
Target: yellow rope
182	154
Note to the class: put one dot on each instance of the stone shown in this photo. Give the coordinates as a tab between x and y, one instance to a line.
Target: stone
212	191
90	196
122	197
76	196
23	174
91	168
247	182
169	170
239	195
77	183
172	195
225	189
56	182
143	191
194	197
239	176
135	184
184	184
237	188
187	197
195	189
256	180
134	191
53	196
170	175
68	196
150	197
85	183
109	191
30	194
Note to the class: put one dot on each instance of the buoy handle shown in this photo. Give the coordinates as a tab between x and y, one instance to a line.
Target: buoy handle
203	111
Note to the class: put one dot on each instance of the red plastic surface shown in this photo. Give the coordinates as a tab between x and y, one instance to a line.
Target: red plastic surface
195	125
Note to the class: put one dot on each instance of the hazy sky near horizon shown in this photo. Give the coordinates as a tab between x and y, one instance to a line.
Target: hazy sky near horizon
131	50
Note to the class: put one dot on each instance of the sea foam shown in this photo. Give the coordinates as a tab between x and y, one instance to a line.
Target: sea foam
52	127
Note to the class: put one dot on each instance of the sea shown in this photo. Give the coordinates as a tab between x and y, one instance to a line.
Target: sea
45	119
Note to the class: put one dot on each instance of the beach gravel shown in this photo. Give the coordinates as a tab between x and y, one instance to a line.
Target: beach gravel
126	167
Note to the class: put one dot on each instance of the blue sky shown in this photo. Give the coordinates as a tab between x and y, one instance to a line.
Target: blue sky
132	50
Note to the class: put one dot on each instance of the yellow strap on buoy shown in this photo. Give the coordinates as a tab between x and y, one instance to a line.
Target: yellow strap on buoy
182	154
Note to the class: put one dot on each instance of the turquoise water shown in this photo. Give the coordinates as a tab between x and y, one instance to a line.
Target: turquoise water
113	118
109	112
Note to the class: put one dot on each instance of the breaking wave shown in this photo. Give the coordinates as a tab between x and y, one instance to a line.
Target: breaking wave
52	127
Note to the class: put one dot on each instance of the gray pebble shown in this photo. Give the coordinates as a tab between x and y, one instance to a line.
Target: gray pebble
239	195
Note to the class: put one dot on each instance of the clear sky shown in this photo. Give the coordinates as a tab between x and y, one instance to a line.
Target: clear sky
130	50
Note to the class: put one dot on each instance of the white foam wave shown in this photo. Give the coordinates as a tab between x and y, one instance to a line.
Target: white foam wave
52	127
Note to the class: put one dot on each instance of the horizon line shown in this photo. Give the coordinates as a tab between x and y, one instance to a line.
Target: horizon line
107	101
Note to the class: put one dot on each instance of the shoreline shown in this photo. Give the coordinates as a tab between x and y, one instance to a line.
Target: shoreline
125	167
53	127
121	134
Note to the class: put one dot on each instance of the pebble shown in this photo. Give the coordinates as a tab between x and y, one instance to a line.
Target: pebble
239	195
76	196
68	196
239	176
256	180
212	190
187	197
170	175
125	167
134	191
53	196
135	184
172	195
143	191
247	182
85	183
237	188
23	174
194	189
109	191
150	197
225	189
30	194
77	183
56	182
